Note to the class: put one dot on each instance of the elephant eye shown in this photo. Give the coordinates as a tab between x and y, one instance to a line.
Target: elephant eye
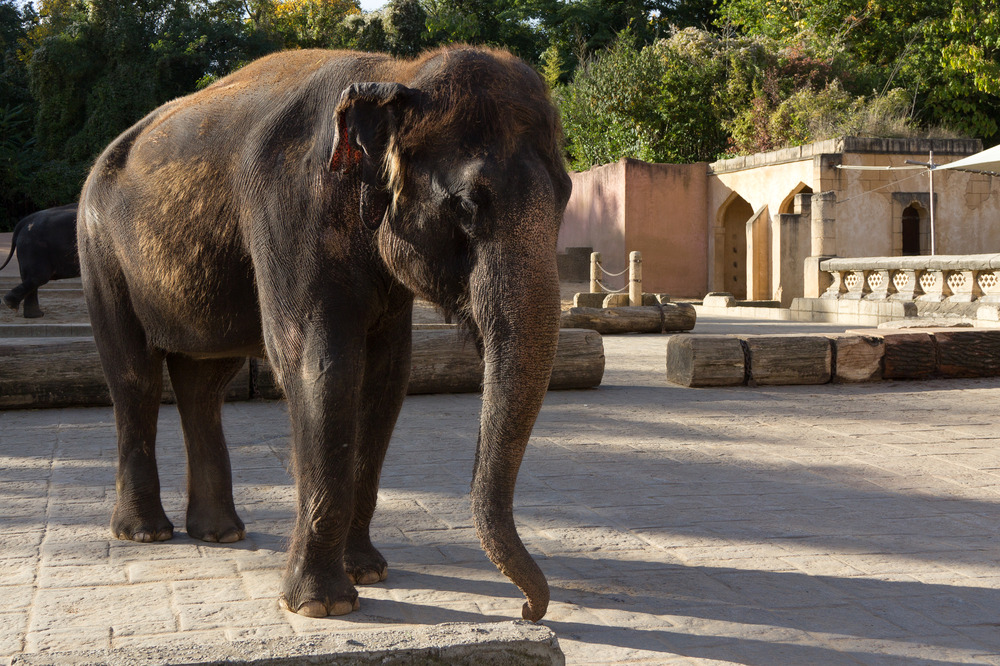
463	207
466	213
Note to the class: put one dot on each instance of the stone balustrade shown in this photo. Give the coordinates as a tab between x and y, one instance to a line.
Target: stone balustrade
941	278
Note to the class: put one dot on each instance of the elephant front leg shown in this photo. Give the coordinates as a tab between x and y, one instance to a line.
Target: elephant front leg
387	371
323	406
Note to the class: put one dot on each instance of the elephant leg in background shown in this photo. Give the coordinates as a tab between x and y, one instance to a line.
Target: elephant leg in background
387	369
31	308
26	292
134	372
200	387
323	389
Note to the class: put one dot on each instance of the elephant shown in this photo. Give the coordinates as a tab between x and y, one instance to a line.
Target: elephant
294	209
46	250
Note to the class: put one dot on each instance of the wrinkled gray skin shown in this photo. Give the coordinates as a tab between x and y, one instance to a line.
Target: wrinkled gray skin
46	250
295	208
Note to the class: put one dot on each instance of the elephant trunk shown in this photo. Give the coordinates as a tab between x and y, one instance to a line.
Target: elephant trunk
515	303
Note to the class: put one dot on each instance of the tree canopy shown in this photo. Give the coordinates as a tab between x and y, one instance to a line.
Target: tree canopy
663	80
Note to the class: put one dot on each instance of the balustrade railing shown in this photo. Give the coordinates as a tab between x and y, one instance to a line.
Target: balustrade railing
951	278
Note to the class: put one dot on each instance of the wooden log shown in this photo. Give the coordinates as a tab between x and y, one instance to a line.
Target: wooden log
655	319
705	360
908	354
968	353
579	360
51	372
788	359
446	361
64	372
857	358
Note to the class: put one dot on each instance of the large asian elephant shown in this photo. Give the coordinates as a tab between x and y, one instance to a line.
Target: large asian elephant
294	209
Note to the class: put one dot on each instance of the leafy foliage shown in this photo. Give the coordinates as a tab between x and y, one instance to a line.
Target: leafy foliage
664	80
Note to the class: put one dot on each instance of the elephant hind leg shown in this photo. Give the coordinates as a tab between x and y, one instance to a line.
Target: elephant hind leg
13	298
31	307
134	372
200	387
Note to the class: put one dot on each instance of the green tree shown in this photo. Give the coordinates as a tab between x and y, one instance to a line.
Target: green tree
406	27
943	53
638	102
305	23
94	68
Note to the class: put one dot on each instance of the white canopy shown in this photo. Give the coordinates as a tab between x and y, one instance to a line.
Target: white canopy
987	161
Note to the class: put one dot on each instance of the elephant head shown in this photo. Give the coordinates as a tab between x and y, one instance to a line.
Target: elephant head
461	174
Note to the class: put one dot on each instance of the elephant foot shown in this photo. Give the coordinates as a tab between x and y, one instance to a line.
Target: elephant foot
33	313
215	527
132	525
365	565
321	609
309	596
10	301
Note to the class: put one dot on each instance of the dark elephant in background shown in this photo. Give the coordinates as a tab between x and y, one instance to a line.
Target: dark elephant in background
294	208
46	250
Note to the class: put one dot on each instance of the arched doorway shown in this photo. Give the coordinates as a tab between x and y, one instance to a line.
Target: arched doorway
911	231
788	205
734	223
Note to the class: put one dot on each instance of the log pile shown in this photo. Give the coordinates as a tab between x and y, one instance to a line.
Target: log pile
63	372
854	356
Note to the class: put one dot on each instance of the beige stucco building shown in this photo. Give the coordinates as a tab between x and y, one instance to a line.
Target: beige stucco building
756	226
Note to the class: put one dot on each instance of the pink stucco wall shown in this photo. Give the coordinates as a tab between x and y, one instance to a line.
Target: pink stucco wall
657	209
595	214
666	220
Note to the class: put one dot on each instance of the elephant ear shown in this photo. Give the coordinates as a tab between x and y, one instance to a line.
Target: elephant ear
367	116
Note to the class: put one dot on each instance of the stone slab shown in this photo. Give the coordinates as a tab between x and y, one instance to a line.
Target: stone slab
588	300
719	299
462	644
616	301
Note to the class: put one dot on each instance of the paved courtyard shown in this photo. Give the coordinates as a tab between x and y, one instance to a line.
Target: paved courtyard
783	525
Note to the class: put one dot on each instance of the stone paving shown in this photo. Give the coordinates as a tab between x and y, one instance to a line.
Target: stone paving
829	524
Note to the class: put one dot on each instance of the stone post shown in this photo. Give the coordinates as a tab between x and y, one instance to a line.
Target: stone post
823	233
596	274
823	221
635	279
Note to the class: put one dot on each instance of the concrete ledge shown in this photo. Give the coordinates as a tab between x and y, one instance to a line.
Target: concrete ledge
464	644
855	356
